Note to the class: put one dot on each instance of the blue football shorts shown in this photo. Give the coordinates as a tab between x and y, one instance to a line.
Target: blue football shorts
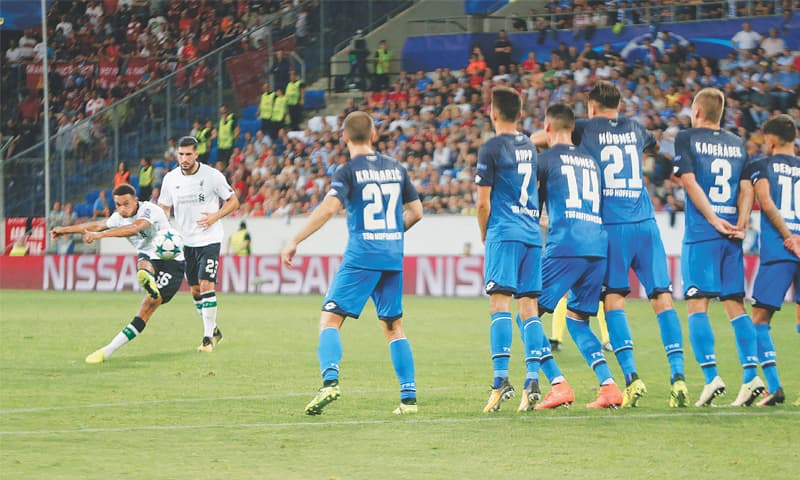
637	246
352	287
581	276
513	268
772	282
714	268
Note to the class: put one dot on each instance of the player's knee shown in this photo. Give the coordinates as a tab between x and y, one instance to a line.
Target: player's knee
499	302
145	265
761	316
662	302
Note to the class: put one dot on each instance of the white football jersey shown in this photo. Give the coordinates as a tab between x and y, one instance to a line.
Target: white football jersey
143	241
192	195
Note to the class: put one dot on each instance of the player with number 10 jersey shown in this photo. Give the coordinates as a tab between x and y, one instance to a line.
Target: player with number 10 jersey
634	242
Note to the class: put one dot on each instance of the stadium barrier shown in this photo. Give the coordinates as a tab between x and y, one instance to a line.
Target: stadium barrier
435	275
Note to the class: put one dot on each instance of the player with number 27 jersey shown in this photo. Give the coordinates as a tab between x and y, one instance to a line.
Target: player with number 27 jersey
373	189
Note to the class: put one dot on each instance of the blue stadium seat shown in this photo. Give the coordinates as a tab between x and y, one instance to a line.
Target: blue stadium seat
212	154
249	113
249	126
91	196
83	210
134	180
314	99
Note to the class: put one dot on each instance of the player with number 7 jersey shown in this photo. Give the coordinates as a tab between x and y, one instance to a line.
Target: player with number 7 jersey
618	144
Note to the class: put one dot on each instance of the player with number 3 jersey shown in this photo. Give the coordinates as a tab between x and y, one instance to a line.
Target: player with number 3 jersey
634	242
711	163
138	222
382	204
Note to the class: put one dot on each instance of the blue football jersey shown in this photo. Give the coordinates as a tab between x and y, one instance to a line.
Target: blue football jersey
507	163
618	145
373	189
569	184
783	174
717	159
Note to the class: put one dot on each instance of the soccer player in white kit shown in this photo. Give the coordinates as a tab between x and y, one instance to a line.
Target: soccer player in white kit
200	196
138	222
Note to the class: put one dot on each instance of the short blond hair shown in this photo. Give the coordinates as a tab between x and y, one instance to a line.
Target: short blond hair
712	102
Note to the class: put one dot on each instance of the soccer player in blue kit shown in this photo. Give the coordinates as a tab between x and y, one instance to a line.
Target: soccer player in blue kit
575	252
381	205
711	164
508	217
634	241
776	181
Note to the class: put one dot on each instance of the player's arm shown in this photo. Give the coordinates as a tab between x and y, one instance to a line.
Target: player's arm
768	208
123	231
208	219
700	201
319	217
539	139
412	213
484	208
96	226
744	204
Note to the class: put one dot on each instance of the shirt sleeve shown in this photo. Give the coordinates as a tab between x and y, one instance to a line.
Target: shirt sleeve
409	192
165	196
684	162
756	170
114	220
341	183
145	213
577	131
221	187
649	139
485	170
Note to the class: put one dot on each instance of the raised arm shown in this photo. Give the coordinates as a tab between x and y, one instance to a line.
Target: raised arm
123	231
95	226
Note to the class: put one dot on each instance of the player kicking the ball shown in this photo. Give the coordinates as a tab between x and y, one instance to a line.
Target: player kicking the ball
138	222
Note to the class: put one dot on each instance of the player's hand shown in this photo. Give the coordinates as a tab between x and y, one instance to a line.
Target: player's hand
287	254
793	244
739	235
55	232
724	227
206	220
90	237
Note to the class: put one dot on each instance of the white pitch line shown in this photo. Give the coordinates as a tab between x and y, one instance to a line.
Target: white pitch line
337	423
266	396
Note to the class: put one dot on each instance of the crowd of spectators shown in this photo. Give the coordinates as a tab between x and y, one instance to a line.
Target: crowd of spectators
435	122
101	51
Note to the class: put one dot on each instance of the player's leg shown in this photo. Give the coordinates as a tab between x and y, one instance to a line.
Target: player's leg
346	297
700	269
170	275
559	324
601	323
616	288
528	289
146	276
502	260
651	268
192	263
732	296
208	263
769	289
388	299
561	393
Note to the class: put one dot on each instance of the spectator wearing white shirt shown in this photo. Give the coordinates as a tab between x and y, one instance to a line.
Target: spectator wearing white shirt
26	44
746	39
65	26
773	45
13	54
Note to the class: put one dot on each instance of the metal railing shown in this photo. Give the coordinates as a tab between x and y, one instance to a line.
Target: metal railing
562	20
85	153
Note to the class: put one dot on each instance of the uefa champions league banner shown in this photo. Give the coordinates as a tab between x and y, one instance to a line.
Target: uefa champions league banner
438	275
711	38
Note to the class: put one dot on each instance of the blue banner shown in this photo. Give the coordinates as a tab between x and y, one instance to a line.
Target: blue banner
21	14
473	7
711	39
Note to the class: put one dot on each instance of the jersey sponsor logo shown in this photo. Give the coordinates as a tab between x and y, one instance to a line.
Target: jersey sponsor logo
490	286
692	292
330	306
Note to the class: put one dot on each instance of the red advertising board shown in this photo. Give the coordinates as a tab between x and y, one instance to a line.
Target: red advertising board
17	226
449	276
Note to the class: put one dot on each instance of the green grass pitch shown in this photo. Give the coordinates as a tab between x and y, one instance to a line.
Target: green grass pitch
160	410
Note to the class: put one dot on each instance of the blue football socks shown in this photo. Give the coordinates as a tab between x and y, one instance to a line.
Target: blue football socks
701	337
532	333
746	345
329	353
403	362
672	338
768	357
622	342
590	347
500	335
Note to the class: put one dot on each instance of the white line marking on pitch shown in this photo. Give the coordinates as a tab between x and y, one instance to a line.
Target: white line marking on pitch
265	396
337	423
